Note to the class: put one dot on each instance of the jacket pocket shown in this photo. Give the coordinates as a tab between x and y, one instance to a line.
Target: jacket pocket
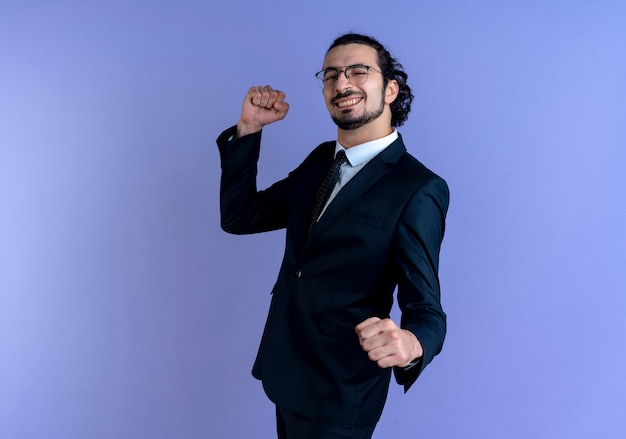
338	328
368	220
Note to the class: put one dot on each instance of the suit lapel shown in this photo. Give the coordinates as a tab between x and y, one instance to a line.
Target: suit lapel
308	188
361	182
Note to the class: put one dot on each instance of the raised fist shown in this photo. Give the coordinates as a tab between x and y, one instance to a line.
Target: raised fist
261	106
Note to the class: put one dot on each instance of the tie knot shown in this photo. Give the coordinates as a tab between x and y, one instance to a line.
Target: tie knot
340	157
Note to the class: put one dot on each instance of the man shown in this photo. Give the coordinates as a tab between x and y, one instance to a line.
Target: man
329	346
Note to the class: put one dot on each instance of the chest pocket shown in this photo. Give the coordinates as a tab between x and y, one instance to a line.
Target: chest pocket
361	218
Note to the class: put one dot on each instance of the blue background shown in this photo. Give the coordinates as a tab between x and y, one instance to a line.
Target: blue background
126	312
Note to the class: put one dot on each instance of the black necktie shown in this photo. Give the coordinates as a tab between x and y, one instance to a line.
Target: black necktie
327	186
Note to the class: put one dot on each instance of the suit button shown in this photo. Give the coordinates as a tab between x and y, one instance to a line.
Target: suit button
297	272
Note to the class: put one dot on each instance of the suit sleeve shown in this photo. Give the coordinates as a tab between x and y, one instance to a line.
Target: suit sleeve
244	209
418	241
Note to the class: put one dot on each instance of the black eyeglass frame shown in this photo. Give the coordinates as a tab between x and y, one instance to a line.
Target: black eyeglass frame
346	71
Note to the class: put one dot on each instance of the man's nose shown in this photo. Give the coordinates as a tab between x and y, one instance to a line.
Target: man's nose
342	81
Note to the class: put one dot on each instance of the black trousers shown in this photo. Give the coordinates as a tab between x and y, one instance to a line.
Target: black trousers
290	425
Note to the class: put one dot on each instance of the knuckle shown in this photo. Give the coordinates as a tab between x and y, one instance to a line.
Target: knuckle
387	323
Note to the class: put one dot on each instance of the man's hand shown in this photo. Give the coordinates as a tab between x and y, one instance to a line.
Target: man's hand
387	344
261	106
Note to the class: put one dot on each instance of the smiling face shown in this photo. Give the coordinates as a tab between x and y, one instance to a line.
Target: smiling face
364	106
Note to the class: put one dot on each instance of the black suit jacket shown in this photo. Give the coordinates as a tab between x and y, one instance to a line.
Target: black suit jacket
384	229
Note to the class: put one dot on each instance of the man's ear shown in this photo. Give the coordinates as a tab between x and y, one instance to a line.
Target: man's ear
392	91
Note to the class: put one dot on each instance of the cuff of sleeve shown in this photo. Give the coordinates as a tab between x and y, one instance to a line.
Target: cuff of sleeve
228	135
413	363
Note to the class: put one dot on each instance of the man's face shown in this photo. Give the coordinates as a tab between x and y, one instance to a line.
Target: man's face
349	105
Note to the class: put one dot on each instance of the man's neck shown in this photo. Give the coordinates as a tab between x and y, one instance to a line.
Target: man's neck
366	133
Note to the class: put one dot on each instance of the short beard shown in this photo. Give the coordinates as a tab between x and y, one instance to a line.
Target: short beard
348	123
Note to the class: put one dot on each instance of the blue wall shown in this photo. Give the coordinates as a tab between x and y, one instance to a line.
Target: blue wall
126	312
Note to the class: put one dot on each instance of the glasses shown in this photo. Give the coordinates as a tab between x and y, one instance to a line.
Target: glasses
355	74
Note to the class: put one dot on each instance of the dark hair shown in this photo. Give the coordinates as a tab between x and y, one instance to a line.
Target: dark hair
390	68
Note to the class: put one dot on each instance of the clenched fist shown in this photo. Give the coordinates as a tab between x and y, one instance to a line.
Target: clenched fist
387	344
261	106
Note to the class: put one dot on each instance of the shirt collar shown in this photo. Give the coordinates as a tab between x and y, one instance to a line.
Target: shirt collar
363	153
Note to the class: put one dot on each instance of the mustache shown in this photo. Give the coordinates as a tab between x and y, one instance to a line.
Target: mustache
345	94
